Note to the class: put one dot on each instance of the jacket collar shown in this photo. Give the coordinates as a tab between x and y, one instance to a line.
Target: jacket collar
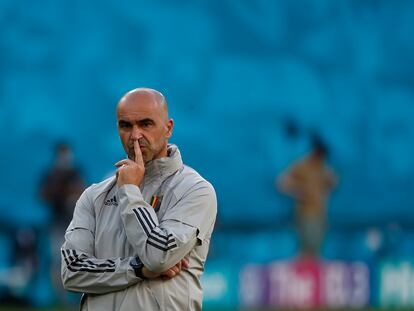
163	167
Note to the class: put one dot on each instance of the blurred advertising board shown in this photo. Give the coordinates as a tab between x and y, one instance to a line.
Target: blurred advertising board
310	284
305	284
396	283
346	284
220	284
294	284
253	282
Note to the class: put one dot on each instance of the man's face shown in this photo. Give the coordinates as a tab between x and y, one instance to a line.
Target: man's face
141	118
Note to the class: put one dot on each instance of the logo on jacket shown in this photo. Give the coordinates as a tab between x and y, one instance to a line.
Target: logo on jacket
111	202
156	202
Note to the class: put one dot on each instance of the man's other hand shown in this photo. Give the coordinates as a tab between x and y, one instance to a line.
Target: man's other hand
168	274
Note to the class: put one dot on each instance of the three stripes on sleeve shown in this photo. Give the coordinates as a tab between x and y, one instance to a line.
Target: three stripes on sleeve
156	236
74	262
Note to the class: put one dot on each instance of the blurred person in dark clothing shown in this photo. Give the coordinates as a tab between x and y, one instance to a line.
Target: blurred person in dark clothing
62	185
60	188
309	181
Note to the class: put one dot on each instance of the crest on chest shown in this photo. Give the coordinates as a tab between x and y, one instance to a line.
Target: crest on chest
155	202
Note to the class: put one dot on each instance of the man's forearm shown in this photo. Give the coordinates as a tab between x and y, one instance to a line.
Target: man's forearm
160	247
84	273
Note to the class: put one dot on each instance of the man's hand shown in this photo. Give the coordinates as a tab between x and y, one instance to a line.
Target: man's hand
172	272
131	172
168	274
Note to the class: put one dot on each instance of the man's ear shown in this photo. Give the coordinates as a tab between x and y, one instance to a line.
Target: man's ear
170	125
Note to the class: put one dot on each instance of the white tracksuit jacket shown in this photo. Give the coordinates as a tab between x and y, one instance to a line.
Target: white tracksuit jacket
112	225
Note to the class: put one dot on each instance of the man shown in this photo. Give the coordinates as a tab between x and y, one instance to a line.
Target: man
132	233
310	181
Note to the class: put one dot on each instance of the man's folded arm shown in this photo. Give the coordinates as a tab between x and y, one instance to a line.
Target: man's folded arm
162	243
81	271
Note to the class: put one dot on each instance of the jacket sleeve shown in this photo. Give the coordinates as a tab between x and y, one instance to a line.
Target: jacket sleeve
81	271
160	244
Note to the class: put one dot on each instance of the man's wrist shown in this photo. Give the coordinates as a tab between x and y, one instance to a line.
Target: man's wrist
137	265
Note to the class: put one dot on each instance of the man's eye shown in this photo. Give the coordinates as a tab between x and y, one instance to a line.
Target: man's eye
124	125
146	124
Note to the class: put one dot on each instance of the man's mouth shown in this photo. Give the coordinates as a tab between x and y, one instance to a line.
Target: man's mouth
140	147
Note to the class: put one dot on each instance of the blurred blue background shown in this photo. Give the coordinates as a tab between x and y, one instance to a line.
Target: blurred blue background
236	74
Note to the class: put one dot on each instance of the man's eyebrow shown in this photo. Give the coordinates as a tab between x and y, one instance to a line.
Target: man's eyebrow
146	120
124	121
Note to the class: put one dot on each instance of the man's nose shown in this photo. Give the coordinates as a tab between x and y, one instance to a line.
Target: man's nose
136	133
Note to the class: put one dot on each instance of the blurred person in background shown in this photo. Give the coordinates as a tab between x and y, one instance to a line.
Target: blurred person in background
62	185
132	234
309	181
60	188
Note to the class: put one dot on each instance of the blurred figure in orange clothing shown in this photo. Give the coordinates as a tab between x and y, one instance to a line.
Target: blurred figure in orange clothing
309	181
